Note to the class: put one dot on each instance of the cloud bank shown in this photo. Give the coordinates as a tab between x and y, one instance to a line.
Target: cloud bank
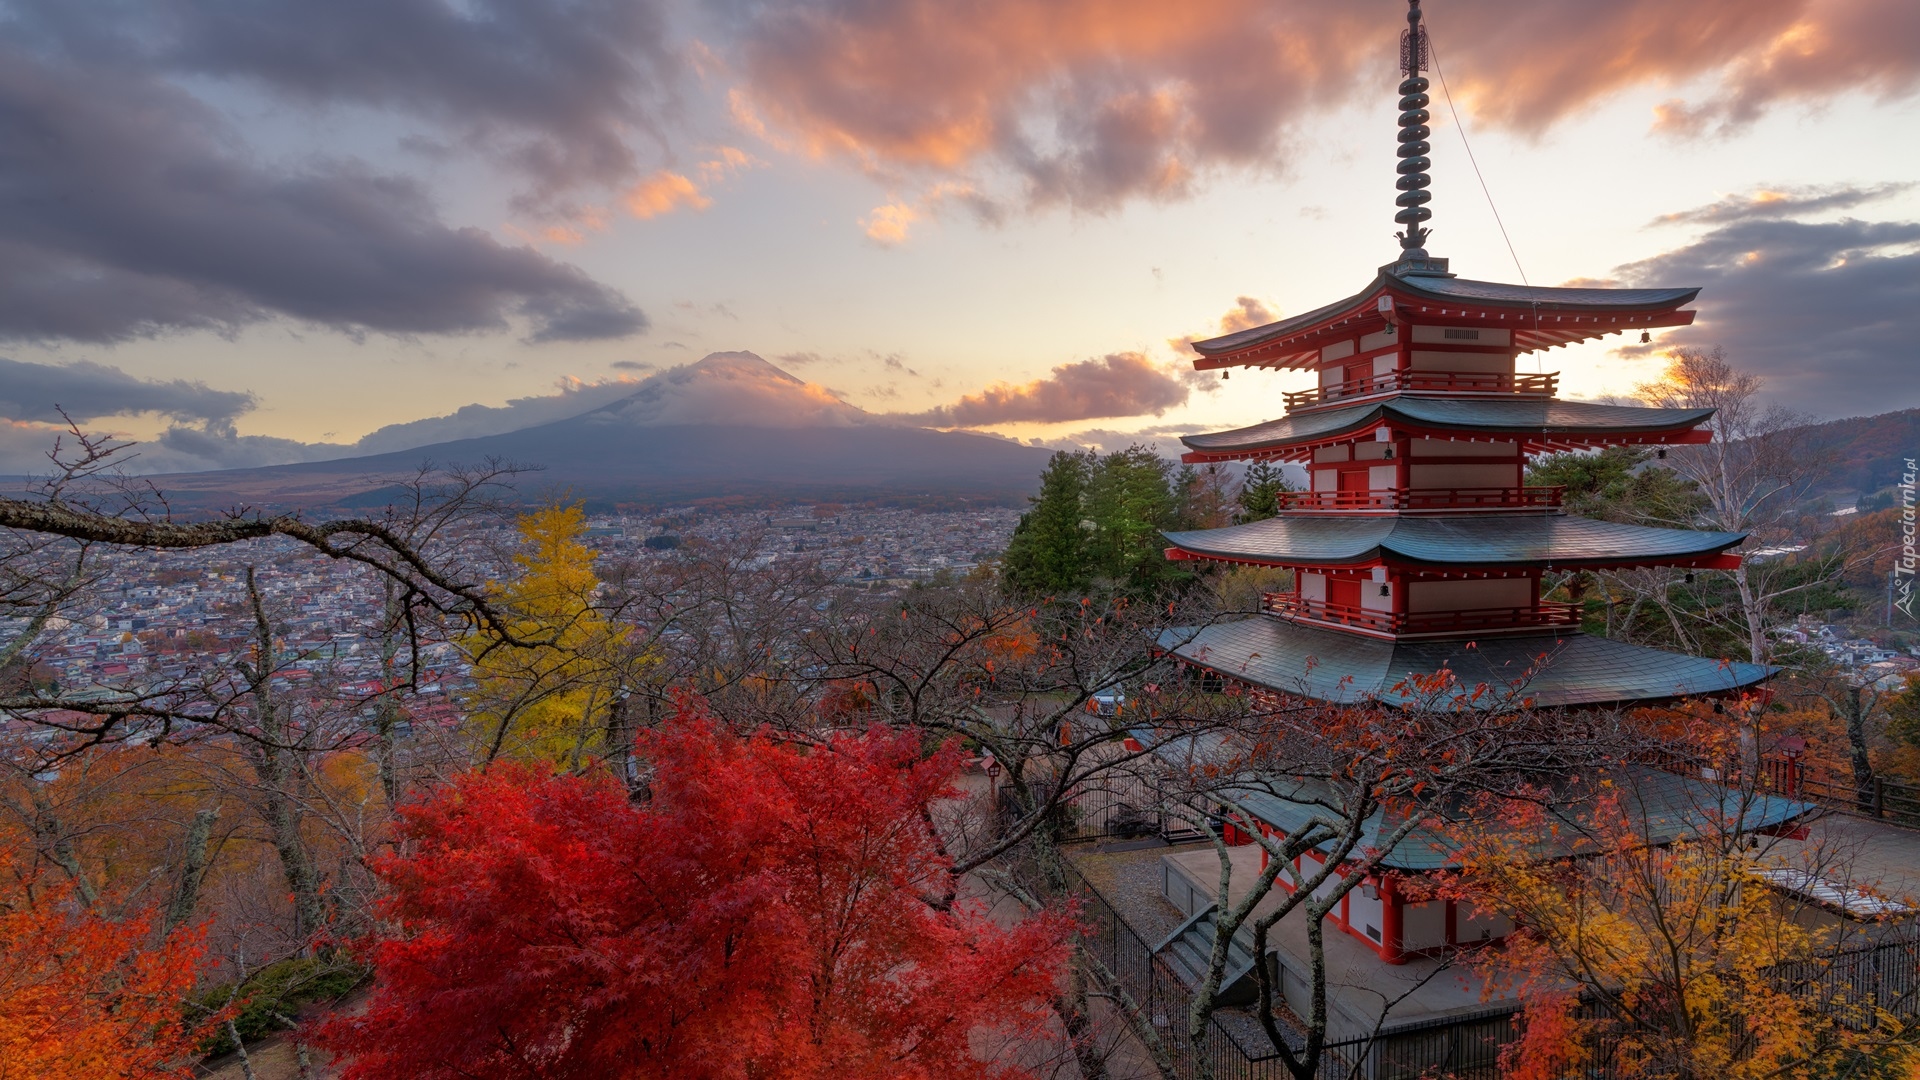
1118	384
1821	309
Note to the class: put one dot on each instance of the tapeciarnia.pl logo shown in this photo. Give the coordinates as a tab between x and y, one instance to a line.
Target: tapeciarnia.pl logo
1903	567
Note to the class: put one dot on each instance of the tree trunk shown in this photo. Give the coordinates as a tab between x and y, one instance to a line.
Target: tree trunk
1854	712
1754	613
193	868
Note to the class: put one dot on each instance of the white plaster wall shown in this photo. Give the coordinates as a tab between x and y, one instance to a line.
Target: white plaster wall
1365	915
1383	477
1326	480
1467	595
1378	340
1472	924
1430	360
1313	586
1462	476
1371	600
1385	363
1423	926
1330	453
1339	350
1371	451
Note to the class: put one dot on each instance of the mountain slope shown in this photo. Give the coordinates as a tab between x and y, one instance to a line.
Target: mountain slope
729	425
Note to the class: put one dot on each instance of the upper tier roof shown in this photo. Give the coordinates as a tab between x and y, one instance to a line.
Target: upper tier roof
1539	316
1542	423
1476	540
1551	670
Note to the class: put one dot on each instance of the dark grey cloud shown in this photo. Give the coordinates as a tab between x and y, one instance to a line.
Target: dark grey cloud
88	391
1783	203
1822	310
129	208
558	89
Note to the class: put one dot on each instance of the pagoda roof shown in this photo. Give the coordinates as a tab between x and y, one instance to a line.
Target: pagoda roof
1666	807
1551	670
1540	423
1539	316
1467	540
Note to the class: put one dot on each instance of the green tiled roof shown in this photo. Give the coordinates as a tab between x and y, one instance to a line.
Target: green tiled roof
1664	807
1450	540
1519	416
1534	298
1553	670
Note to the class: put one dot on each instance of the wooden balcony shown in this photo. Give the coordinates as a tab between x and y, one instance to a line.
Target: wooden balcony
1503	498
1454	382
1476	620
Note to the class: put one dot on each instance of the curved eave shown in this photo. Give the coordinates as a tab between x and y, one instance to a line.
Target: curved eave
1486	542
1540	318
1294	438
1550	671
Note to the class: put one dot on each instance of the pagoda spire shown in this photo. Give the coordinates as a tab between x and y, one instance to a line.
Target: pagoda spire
1414	147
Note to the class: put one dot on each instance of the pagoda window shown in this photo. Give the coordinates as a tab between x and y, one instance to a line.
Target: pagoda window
1461	335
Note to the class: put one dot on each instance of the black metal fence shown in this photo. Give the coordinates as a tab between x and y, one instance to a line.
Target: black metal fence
1858	988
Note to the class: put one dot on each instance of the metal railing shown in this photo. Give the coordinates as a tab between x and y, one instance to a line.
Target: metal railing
1546	613
1458	382
1891	800
1423	498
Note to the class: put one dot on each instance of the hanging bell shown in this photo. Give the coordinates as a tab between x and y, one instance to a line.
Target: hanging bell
1645	337
1225	375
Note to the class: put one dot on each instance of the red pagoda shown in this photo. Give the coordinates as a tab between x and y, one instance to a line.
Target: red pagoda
1417	546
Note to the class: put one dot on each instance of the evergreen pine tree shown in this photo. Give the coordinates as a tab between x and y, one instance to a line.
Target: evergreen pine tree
1048	551
1260	491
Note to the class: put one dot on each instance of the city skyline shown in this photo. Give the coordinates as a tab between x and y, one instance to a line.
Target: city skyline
254	239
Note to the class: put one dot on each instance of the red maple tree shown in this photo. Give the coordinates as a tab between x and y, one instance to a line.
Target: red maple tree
87	997
771	911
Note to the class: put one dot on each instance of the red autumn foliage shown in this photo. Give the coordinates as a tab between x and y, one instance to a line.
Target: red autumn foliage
85	996
764	914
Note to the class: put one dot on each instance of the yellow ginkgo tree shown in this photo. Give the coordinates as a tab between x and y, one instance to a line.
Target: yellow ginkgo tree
549	700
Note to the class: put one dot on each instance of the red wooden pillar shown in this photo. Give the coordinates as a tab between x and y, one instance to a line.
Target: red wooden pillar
1391	920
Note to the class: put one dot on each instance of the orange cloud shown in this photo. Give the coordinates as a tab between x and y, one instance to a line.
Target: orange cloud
663	193
888	224
1246	313
1092	102
1119	384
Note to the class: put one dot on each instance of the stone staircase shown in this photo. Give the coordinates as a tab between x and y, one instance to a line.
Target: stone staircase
1189	948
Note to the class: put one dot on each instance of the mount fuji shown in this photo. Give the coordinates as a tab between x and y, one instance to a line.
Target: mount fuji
730	425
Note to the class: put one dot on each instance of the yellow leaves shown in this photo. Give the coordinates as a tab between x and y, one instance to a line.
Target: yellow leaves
549	701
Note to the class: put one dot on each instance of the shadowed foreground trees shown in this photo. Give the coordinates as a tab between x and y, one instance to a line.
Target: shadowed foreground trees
762	911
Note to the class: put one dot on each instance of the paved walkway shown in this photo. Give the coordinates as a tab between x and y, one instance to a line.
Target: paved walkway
1360	986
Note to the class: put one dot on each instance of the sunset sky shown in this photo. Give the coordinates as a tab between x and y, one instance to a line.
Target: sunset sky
245	227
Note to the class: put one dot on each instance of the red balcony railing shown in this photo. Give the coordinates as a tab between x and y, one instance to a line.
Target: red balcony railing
1546	613
1423	498
1462	382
